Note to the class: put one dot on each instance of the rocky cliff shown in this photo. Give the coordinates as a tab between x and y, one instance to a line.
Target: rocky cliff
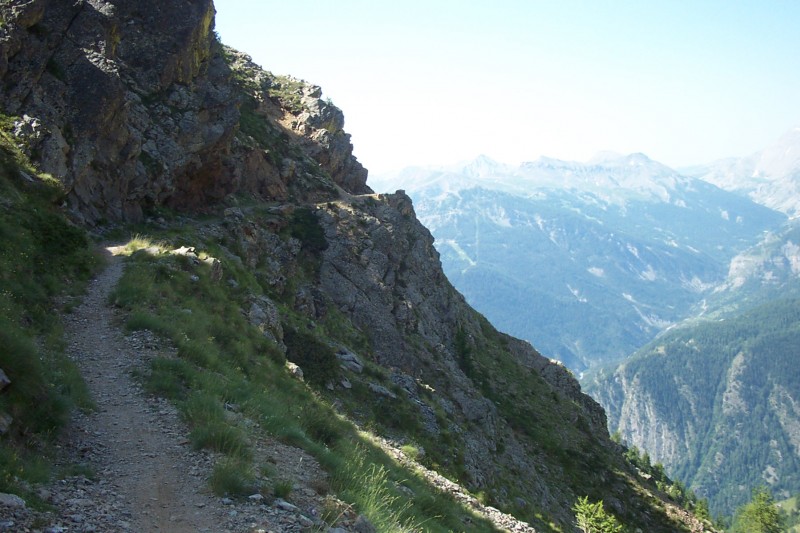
134	106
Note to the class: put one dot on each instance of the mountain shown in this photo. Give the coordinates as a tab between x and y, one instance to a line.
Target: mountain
291	305
715	398
587	260
770	177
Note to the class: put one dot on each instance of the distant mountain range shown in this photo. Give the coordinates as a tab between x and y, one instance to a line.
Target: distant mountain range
770	177
588	261
696	271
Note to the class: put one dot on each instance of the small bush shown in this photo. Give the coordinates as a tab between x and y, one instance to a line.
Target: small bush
306	228
317	359
592	518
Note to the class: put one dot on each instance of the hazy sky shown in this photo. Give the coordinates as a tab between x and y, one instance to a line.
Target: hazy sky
439	81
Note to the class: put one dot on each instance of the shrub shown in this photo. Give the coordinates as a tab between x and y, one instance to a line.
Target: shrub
317	359
306	228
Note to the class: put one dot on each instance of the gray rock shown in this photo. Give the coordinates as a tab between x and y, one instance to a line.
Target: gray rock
264	315
11	500
283	505
234	212
294	370
5	423
4	380
363	525
382	391
349	361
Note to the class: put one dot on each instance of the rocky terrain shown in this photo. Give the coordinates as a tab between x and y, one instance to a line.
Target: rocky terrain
274	261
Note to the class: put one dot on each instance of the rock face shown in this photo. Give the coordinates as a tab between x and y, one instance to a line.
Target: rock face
132	105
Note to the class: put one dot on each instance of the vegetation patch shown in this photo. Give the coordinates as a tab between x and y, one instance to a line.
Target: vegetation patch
43	256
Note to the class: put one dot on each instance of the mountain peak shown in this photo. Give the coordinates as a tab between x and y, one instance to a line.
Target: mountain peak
481	167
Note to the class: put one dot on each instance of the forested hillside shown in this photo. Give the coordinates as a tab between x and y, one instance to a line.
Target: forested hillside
716	402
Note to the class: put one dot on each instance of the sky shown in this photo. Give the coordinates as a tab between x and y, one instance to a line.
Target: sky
435	82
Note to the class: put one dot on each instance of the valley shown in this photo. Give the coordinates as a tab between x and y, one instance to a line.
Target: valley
672	294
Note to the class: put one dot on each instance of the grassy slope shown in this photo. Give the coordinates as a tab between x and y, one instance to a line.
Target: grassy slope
223	359
42	256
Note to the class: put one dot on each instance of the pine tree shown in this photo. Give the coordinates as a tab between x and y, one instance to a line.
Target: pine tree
761	515
592	518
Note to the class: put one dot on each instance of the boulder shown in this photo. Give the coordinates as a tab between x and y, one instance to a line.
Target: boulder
294	370
11	501
349	361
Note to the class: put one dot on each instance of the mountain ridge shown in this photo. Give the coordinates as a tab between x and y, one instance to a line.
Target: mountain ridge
770	176
623	230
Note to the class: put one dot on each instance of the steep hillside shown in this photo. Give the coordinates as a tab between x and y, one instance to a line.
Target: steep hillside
690	398
768	271
716	403
290	304
587	261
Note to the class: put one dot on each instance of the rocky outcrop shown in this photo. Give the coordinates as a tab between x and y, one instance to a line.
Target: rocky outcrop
121	123
133	104
292	141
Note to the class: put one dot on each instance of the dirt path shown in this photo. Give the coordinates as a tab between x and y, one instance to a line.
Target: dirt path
130	466
138	443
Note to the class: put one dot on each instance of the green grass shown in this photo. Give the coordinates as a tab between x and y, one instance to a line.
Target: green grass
222	358
233	477
282	489
43	256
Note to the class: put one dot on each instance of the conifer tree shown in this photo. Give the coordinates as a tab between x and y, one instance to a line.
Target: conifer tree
761	515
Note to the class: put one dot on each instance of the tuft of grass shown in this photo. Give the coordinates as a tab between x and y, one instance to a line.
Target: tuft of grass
139	320
411	451
77	469
370	487
282	488
142	242
232	477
